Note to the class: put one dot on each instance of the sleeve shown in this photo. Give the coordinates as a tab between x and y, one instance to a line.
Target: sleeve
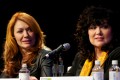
42	67
75	68
3	75
45	65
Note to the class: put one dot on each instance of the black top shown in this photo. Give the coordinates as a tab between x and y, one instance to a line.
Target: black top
78	64
42	66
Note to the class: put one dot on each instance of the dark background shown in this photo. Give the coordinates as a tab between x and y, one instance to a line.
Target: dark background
56	18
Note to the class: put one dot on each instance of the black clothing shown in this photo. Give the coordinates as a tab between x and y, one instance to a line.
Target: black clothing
78	64
42	66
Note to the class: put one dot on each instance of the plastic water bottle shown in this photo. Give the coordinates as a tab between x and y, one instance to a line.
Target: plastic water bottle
114	71
61	67
24	73
55	70
98	71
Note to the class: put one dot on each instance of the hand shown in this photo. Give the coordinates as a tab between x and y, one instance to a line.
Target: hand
33	78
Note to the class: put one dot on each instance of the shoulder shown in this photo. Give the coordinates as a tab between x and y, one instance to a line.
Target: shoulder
43	52
115	53
41	56
77	59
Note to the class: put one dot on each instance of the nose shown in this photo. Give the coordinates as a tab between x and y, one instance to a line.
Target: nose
98	30
26	34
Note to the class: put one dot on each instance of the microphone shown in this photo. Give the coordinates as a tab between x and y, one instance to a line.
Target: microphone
63	47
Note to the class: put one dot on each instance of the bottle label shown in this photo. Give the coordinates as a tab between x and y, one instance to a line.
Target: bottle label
114	75
98	75
23	76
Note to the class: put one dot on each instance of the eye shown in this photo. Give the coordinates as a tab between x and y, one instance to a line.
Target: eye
92	26
104	26
30	30
19	31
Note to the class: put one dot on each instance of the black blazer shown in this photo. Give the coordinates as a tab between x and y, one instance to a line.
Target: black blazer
78	64
41	68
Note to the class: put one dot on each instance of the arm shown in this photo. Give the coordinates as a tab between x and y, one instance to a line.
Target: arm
42	67
45	64
76	67
46	67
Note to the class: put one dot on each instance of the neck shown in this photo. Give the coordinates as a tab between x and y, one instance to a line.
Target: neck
25	51
98	52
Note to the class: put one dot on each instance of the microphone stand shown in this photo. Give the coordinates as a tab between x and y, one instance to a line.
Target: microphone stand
58	67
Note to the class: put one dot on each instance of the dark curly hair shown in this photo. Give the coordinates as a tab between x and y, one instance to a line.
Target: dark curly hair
95	15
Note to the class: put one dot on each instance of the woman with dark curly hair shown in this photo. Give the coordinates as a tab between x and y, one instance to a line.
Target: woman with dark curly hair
98	38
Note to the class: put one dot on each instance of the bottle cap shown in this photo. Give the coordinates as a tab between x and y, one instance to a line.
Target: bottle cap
97	62
114	61
24	65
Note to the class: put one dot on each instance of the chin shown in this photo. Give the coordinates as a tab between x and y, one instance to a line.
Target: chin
27	47
99	45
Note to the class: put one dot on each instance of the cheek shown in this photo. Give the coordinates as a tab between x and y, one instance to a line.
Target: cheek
33	38
109	36
32	35
90	34
17	38
91	39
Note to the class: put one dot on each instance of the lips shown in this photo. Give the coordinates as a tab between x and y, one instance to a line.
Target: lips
99	38
26	41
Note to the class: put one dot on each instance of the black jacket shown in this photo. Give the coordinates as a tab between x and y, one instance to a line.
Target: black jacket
78	64
41	68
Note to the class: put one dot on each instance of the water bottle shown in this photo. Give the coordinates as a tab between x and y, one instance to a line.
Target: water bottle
98	71
114	71
55	70
61	67
24	73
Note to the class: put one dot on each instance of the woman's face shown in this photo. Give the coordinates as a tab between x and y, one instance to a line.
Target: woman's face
23	34
100	35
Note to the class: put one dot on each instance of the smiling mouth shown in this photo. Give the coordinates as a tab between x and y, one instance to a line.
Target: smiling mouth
27	42
99	39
